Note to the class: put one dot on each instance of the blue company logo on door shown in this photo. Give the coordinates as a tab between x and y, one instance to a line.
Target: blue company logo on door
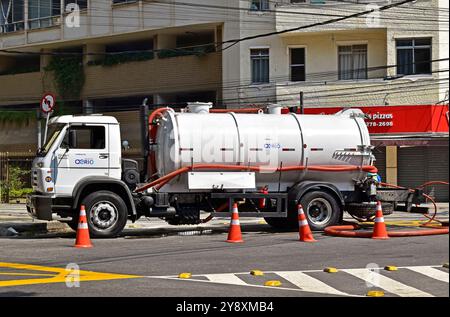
272	146
83	162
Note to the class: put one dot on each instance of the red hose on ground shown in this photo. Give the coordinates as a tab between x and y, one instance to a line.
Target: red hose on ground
348	231
337	168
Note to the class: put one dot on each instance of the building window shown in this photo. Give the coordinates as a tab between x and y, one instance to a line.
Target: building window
123	1
413	56
259	65
41	13
11	16
297	65
259	5
309	1
352	62
82	4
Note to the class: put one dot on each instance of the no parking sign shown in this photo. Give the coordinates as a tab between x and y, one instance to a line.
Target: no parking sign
48	102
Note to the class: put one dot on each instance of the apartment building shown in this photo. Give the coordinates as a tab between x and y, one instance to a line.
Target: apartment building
162	50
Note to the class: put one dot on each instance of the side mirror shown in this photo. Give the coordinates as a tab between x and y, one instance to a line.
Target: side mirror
125	145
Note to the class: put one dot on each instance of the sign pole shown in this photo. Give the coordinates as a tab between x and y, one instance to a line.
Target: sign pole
46	127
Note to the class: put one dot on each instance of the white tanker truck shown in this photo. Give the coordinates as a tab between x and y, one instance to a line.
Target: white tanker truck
201	159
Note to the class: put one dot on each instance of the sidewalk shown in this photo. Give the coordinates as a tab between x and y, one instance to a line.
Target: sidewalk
14	220
15	216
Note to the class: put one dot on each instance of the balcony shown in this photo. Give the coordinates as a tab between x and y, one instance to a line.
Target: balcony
154	76
402	18
20	88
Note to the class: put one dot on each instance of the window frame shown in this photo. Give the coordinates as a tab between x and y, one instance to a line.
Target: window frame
352	44
84	127
11	24
123	2
259	48
413	47
289	48
66	2
52	19
261	8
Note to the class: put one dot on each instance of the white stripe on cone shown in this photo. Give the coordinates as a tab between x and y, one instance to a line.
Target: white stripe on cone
381	219
235	222
83	226
82	212
303	223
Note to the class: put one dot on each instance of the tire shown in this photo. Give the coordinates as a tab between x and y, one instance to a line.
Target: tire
106	214
290	223
321	210
368	211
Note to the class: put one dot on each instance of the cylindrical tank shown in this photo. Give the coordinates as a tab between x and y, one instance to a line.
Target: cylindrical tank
271	140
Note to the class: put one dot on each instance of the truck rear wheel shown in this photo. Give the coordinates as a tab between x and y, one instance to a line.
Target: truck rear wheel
321	210
106	214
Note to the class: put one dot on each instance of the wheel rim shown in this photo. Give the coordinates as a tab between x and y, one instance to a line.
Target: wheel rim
319	211
104	215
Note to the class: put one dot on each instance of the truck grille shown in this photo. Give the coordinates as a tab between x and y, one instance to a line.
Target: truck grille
34	179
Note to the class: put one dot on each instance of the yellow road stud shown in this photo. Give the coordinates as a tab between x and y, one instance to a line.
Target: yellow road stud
375	293
330	270
390	268
273	283
256	272
185	275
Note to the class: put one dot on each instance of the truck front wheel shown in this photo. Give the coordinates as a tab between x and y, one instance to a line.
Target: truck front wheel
106	214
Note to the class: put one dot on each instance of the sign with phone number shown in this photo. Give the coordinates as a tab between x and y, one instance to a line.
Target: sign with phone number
399	119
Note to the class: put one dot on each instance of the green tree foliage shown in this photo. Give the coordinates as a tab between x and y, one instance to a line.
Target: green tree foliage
14	185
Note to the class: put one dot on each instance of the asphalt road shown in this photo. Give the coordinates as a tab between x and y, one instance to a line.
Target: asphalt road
142	265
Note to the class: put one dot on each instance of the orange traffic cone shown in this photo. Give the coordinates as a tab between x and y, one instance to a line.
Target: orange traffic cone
303	227
83	240
235	235
379	228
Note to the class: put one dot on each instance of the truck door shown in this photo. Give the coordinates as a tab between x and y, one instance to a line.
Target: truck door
83	152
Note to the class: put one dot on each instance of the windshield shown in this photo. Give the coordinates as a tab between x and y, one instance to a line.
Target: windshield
53	132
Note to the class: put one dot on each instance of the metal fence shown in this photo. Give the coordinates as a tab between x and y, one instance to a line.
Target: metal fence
9	161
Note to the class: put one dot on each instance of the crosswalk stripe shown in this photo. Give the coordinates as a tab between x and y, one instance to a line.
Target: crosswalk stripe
430	272
227	278
308	283
387	283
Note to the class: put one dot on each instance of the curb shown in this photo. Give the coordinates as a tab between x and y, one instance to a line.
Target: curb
192	231
53	228
21	228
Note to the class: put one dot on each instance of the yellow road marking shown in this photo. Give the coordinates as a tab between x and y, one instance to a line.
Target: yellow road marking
25	274
62	275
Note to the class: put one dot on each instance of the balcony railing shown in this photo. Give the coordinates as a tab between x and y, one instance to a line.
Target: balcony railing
45	22
12	27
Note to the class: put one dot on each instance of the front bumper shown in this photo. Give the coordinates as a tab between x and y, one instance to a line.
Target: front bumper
40	206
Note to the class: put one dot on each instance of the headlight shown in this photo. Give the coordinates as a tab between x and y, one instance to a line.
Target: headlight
40	165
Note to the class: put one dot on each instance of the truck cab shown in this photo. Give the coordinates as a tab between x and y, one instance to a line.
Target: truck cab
80	163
